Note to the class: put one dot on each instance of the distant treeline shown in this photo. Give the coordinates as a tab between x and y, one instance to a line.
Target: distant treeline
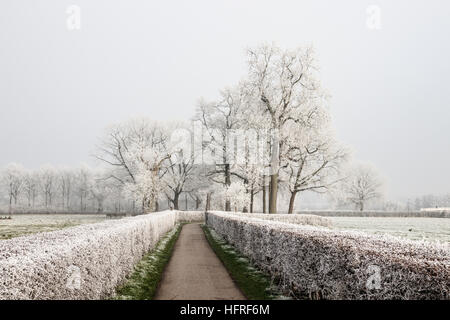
404	214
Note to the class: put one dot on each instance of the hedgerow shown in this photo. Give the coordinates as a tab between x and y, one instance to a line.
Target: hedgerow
319	263
302	219
83	262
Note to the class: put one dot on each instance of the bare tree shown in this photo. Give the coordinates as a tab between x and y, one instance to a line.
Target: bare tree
312	160
65	184
137	150
13	180
100	188
83	180
30	187
179	167
362	185
285	86
218	120
47	179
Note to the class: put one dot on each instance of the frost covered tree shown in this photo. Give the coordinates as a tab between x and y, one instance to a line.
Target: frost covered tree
150	159
248	168
362	184
100	188
237	196
219	120
287	90
146	188
116	145
179	166
199	187
313	158
66	178
13	177
82	185
137	149
60	189
30	187
47	179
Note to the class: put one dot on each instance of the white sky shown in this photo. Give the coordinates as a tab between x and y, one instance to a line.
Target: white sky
390	87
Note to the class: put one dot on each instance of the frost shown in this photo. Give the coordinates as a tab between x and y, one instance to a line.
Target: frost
321	263
302	219
83	262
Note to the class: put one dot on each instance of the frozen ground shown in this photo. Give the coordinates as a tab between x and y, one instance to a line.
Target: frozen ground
430	229
412	228
25	224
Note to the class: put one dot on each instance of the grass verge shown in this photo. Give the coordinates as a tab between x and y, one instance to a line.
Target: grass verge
144	280
254	284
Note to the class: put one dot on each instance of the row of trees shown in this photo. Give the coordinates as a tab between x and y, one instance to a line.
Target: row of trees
268	136
429	201
61	189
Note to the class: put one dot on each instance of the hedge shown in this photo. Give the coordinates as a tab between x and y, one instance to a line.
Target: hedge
83	262
319	263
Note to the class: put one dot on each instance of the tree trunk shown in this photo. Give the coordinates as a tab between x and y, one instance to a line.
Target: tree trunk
264	196
197	203
361	206
274	163
227	184
244	209
208	201
252	195
68	198
185	202
273	193
292	202
175	201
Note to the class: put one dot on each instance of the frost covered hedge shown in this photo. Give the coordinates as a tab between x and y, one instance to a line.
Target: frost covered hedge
319	263
83	262
190	216
303	219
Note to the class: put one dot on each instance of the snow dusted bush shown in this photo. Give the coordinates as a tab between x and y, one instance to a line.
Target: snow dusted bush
319	263
83	262
303	219
190	216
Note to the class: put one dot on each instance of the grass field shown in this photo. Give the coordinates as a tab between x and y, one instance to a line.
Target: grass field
25	224
430	229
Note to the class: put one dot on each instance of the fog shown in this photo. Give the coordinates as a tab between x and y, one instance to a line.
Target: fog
61	87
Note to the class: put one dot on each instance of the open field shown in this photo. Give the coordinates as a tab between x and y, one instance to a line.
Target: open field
411	228
25	224
430	229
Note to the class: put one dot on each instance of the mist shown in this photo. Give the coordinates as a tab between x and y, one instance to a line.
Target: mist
60	87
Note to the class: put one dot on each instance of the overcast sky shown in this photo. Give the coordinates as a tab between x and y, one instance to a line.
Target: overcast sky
390	89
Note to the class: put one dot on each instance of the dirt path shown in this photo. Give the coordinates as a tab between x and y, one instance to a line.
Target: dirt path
194	272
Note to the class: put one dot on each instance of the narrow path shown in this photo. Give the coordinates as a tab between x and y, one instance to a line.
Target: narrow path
194	272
